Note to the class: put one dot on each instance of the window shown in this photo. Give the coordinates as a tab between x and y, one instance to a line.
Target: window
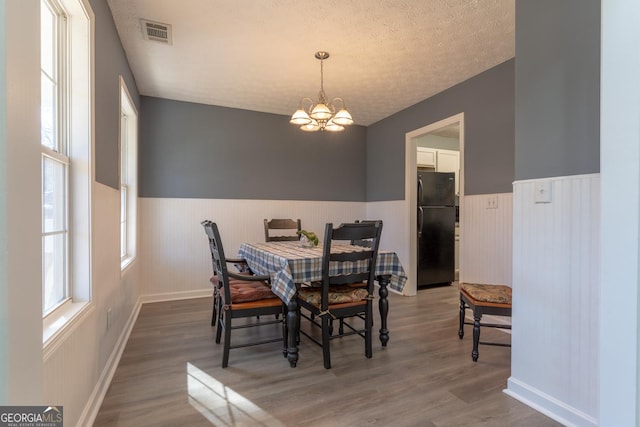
128	176
55	161
65	136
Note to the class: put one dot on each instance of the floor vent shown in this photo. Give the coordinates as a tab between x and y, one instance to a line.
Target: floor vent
156	31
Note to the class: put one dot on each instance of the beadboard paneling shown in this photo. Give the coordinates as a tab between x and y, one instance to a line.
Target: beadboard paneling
486	239
556	275
175	260
174	250
395	235
70	372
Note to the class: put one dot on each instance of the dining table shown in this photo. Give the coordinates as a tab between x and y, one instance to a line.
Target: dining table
290	264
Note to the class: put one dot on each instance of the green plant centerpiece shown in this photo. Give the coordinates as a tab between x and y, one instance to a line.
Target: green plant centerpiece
308	239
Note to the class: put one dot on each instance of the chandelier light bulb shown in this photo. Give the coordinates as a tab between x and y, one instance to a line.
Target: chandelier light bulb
333	127
312	126
300	117
321	112
343	118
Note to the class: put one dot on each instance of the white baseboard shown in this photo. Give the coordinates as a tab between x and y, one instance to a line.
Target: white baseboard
174	296
552	408
94	402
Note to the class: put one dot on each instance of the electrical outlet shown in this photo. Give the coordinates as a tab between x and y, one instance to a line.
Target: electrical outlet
108	319
543	192
492	202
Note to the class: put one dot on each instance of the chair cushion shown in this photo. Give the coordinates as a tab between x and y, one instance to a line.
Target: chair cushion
215	280
337	295
499	294
245	291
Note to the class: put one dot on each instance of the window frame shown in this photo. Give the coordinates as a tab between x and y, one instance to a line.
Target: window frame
128	173
76	130
58	153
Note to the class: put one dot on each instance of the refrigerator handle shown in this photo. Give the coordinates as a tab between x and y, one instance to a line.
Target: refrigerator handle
419	191
420	219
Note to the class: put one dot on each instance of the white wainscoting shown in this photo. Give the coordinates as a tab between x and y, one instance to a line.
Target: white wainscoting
174	249
486	237
395	234
556	282
69	370
175	262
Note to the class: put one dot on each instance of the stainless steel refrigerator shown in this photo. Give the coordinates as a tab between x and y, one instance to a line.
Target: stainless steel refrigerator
436	228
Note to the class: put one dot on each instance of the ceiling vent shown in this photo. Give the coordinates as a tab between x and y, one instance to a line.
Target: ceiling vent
156	31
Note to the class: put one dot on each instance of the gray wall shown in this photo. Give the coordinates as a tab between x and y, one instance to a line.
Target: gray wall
190	150
557	88
487	101
110	63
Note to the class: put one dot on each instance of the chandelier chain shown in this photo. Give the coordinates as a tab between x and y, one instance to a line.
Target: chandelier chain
322	97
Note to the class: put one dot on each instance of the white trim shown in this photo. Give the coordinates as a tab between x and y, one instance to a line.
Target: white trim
79	151
57	159
619	299
547	405
558	178
125	263
129	172
175	296
411	190
61	324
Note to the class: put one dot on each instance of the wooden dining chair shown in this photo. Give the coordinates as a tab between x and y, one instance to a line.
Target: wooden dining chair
364	242
483	299
343	293
290	226
241	296
241	267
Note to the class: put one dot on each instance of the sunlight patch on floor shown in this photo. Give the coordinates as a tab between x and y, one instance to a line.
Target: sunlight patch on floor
221	405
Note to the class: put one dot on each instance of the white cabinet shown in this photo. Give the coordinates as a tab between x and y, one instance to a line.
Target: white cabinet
426	157
440	161
449	161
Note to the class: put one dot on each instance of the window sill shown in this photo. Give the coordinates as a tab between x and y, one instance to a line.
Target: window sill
126	262
57	326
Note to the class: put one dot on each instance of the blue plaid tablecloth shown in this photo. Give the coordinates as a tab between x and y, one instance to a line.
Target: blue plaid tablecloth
288	263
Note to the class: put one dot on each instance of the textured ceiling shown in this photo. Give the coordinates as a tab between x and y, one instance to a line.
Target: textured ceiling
386	55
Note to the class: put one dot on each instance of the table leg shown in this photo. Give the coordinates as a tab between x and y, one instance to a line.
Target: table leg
383	305
292	327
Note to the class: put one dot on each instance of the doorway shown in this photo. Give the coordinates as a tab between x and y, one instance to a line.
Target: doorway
448	126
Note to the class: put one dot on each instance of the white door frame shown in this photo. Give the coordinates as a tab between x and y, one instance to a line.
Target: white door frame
411	199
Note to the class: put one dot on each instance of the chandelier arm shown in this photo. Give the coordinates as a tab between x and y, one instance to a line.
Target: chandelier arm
311	103
333	102
330	107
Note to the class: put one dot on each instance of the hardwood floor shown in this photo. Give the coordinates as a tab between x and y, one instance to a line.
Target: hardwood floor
170	374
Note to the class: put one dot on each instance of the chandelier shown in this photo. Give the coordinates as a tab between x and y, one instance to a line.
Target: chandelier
321	115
